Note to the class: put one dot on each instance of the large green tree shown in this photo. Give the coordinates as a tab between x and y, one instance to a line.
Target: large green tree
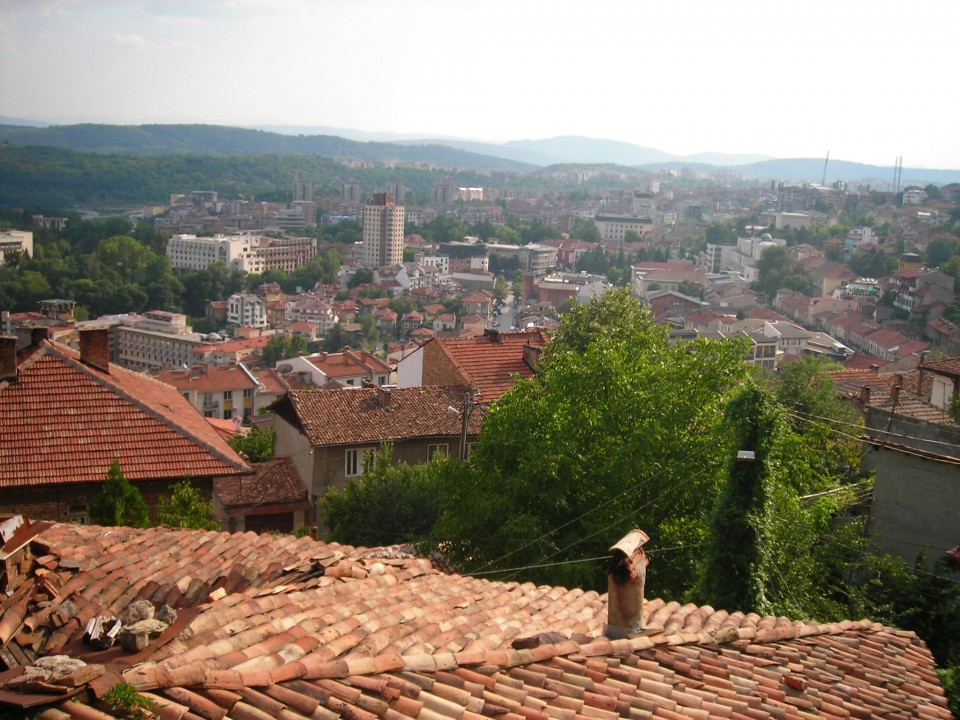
618	430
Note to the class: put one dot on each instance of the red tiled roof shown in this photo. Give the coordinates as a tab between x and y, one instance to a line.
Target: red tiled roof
275	482
65	422
208	379
375	415
949	367
277	626
348	363
491	367
234	345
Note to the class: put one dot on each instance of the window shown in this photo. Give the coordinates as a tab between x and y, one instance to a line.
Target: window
248	393
352	466
228	394
441	448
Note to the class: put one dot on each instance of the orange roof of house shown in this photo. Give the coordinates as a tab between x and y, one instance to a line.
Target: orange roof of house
65	422
376	415
204	378
275	482
278	626
348	363
491	363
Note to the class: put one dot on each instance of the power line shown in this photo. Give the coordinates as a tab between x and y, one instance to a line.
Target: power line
884	443
865	428
589	512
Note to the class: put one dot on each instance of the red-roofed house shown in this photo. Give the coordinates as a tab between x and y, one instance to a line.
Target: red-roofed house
68	415
350	368
328	434
231	351
274	499
489	364
224	391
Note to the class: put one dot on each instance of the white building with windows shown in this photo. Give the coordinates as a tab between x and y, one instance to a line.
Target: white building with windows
614	228
237	252
247	310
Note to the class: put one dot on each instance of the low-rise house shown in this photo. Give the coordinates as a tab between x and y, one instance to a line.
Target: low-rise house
231	352
945	382
914	449
945	335
489	364
68	415
666	304
224	392
273	499
329	435
350	368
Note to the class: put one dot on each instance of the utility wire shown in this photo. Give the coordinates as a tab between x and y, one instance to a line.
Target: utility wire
866	429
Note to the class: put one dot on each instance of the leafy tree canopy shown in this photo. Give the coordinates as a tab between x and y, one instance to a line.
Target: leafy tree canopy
258	445
119	502
187	508
607	437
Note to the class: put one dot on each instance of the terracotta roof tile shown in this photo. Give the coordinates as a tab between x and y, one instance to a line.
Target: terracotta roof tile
65	422
395	638
205	378
491	364
374	415
275	481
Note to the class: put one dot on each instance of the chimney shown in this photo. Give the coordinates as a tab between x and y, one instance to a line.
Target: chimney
626	575
383	397
494	335
531	357
8	359
37	335
95	348
865	395
895	394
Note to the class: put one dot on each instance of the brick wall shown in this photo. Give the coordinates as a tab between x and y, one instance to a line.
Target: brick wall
437	367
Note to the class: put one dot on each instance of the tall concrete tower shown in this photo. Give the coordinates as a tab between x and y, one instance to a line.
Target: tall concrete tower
382	231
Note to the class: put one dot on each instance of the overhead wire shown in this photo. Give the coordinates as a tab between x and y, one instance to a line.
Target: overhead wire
590	512
884	432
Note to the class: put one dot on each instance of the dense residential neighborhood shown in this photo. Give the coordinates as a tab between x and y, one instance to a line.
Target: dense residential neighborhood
468	376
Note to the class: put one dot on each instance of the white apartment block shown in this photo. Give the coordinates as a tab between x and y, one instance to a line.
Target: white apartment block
470	194
613	228
156	340
237	252
246	310
15	241
440	262
383	222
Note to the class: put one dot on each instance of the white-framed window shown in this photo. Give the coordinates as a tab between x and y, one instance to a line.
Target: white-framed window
435	448
353	462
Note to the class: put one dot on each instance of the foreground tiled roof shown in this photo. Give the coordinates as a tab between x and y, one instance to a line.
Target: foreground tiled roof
64	421
376	415
278	627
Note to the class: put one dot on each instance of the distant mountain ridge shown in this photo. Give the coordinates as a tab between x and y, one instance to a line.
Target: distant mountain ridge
520	156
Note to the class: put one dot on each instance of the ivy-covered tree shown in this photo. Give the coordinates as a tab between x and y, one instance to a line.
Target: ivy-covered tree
119	502
186	508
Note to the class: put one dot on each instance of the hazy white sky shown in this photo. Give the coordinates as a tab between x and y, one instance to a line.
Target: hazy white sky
867	80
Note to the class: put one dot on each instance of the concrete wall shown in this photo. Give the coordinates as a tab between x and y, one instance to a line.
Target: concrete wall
915	505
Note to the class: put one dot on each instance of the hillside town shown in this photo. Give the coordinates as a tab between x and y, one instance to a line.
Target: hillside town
424	318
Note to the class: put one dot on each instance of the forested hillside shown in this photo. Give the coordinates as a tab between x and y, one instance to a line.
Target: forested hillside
217	140
54	178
